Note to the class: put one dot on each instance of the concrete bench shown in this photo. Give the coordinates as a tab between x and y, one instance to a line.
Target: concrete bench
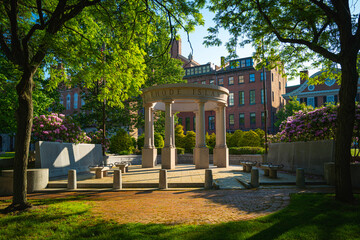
123	166
100	171
247	165
270	170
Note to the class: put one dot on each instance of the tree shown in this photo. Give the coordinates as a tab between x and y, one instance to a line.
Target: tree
327	32
289	109
48	32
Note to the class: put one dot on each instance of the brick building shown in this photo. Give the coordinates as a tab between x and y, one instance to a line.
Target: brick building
315	95
245	109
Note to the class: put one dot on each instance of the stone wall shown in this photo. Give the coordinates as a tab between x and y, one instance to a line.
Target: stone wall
308	155
61	157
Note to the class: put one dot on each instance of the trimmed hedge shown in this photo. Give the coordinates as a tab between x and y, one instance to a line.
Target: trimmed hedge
246	150
180	150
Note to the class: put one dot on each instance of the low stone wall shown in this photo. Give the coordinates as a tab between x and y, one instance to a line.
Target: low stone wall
59	158
37	179
186	158
329	175
308	155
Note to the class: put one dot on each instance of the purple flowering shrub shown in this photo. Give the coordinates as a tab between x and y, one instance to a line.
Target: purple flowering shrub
57	128
97	138
319	124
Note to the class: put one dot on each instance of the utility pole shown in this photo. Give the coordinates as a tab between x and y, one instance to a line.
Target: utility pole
265	100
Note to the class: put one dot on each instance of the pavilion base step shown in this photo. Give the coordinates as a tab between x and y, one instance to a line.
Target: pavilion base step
127	185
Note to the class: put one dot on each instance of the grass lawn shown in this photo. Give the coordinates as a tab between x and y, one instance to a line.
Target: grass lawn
309	216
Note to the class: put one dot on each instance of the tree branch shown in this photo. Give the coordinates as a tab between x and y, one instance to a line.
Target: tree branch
5	47
327	10
41	17
314	47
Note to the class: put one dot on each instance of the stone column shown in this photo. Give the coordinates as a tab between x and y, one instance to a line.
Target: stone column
149	152
221	152
168	152
201	152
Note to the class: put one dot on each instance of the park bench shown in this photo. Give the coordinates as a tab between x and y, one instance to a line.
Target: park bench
123	166
247	165
270	169
101	171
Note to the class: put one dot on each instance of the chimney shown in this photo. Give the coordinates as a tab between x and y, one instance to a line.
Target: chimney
304	75
175	48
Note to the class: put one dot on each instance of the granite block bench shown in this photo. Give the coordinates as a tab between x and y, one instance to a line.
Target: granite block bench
100	171
270	169
247	165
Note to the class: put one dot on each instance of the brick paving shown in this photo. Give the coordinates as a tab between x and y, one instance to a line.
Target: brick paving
183	207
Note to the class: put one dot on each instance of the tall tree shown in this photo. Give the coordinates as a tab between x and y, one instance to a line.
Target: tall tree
35	32
327	32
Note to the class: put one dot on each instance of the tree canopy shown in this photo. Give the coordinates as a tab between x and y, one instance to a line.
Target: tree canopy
294	32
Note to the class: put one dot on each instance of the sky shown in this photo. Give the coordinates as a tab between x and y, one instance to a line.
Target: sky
203	54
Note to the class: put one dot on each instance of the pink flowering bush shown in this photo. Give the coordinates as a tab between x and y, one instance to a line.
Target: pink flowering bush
319	124
57	128
97	138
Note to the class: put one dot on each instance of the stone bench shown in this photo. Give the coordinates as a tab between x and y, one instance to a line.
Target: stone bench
100	171
270	170
123	166
247	165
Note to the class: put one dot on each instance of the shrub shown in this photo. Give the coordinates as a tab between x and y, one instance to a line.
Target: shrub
97	138
159	141
236	138
122	143
179	136
180	150
140	141
261	134
246	150
250	139
57	128
189	142
210	140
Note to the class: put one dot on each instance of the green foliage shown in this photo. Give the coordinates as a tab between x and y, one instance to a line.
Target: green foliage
261	134
190	140
180	150
179	136
210	140
289	109
140	141
122	143
246	150
158	140
250	139
235	138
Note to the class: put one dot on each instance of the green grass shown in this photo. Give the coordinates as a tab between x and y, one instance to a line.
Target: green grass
309	216
7	155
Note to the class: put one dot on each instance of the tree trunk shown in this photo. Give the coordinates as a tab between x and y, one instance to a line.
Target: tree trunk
344	131
24	117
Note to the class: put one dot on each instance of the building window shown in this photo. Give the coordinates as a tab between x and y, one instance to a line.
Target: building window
262	76
221	82
231	99
310	101
196	70
180	121
241	119
242	63
262	118
252	97
231	119
249	62
272	96
192	71
272	77
194	124
262	96
231	80
203	82
252	118
241	98
211	122
279	85
75	101
252	77
241	79
68	100
187	124
82	102
212	82
61	101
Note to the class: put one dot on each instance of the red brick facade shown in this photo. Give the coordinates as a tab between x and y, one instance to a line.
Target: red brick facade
245	113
